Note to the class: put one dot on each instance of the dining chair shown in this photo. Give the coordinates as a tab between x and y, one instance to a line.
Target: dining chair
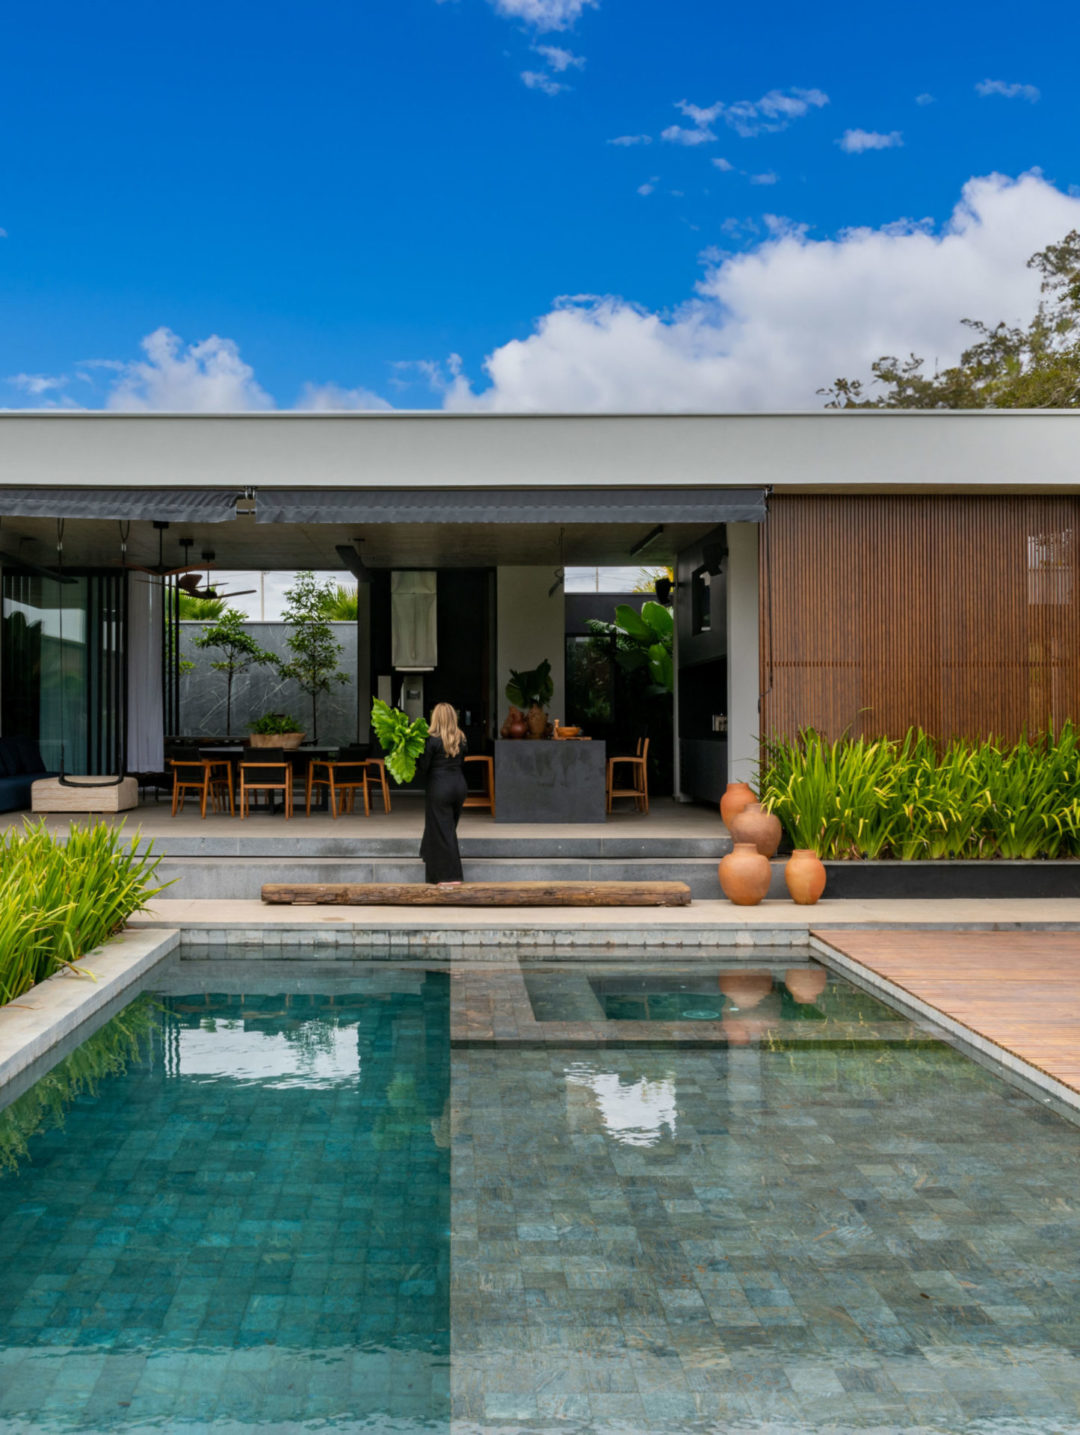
484	797
271	773
377	770
210	777
639	777
341	776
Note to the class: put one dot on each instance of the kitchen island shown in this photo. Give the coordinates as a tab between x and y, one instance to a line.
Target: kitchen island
549	781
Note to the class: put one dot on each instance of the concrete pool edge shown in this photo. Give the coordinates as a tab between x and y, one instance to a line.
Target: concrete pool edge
38	1021
974	1042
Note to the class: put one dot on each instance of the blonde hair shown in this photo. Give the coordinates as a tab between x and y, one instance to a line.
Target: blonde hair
444	725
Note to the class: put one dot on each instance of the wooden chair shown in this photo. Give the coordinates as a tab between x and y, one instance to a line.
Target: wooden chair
342	776
211	778
486	797
272	773
639	777
377	777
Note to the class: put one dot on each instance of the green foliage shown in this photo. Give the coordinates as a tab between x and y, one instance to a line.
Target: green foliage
109	1052
203	610
1008	366
340	603
910	798
240	650
315	651
533	685
59	900
643	643
275	723
401	739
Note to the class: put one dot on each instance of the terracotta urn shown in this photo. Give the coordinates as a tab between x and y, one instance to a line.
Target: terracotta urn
745	990
514	726
744	875
735	798
536	721
753	824
804	874
806	983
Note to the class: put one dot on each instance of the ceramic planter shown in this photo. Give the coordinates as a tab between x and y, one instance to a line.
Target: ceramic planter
514	726
286	740
735	798
536	720
804	874
744	875
753	824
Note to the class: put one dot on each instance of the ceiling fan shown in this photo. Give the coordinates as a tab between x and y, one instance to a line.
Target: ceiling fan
160	569
189	583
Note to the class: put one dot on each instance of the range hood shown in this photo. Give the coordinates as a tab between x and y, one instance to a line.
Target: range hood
413	639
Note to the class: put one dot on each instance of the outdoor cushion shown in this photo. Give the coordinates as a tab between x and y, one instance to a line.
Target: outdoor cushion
9	762
16	793
29	754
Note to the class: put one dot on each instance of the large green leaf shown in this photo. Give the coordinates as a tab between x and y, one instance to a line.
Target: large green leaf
658	618
631	621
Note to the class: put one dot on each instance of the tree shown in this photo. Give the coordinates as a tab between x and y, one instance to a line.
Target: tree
203	610
240	649
1034	366
341	603
315	651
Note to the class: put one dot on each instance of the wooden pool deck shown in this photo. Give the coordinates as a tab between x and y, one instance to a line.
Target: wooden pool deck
1014	994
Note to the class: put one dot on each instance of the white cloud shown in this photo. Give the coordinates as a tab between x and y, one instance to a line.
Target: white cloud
1007	91
766	328
331	398
37	384
559	59
543	14
626	140
3	234
649	185
859	141
679	134
924	99
724	164
205	377
539	80
769	177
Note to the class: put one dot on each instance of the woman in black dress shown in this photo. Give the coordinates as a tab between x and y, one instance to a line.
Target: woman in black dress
441	769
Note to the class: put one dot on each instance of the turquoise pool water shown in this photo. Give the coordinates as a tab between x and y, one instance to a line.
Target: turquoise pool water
253	1225
247	1230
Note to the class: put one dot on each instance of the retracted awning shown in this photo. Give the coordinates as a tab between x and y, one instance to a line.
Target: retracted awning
167	505
486	505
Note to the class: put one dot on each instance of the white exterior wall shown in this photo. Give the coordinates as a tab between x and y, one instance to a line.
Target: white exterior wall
743	671
529	627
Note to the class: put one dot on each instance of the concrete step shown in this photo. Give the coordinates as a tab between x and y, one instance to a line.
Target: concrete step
243	877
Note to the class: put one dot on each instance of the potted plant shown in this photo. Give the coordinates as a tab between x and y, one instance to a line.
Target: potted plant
532	689
276	730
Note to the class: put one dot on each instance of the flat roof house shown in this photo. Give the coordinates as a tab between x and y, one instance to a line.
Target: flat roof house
859	570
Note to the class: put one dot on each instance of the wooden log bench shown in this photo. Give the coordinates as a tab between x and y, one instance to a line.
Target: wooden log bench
478	894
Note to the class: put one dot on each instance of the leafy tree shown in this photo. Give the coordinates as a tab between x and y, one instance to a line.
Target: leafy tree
341	604
315	651
1035	366
240	650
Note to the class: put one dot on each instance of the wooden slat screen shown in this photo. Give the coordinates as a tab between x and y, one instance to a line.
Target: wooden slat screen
961	614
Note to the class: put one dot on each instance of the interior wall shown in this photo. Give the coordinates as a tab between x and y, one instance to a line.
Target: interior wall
529	627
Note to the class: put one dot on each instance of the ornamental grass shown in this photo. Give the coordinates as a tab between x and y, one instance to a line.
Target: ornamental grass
60	899
912	798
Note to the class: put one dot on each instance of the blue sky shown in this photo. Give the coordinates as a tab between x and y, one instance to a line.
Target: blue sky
327	203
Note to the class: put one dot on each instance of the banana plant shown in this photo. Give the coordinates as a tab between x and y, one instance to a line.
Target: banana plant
642	641
401	739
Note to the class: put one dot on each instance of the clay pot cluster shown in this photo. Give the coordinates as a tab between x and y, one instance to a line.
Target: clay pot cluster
532	724
746	871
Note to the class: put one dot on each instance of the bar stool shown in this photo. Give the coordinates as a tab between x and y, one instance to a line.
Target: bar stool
272	773
485	797
210	777
342	775
639	777
377	769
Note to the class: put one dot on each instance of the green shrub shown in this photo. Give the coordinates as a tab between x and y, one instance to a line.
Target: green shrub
59	900
911	798
273	723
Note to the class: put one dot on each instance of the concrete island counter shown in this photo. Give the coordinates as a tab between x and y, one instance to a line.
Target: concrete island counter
549	781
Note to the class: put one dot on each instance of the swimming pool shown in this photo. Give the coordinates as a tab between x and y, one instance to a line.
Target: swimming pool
303	1208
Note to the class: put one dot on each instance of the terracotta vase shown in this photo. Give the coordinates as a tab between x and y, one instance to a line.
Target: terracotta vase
744	875
513	716
536	721
753	824
806	983
736	796
804	874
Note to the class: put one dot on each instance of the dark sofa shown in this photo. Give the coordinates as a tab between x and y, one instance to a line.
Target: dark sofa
20	768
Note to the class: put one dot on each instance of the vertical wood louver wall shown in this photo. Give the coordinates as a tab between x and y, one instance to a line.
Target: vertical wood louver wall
960	614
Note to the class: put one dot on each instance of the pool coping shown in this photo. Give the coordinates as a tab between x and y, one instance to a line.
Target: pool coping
33	1024
970	1040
